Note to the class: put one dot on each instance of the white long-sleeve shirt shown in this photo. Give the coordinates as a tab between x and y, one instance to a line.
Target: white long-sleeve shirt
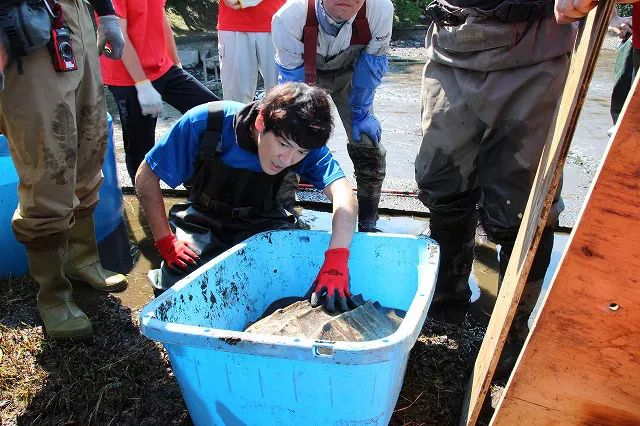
288	23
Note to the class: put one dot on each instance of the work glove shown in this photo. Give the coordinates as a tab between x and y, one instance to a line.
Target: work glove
177	253
367	76
333	282
149	98
367	123
286	75
109	32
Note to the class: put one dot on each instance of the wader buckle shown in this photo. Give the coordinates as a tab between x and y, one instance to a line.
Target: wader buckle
240	212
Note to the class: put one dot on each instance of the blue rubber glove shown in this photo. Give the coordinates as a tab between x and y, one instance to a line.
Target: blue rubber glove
363	121
367	75
286	75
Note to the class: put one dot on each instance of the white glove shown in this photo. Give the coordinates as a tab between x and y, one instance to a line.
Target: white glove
149	98
233	4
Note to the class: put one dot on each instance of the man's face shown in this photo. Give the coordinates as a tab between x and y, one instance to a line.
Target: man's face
342	10
277	153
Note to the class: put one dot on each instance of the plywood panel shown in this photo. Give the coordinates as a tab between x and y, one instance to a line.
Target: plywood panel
581	364
547	180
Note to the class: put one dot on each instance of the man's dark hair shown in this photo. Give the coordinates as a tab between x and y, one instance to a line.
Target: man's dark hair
298	112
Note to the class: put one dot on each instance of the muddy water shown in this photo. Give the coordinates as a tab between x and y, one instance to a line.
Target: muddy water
397	105
484	278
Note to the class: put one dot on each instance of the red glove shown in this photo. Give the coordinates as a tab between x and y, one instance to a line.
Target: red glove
175	252
333	282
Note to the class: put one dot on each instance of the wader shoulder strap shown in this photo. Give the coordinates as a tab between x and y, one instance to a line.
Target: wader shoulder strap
361	32
211	142
360	35
310	40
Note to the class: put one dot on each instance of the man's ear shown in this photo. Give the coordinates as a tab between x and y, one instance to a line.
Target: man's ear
259	124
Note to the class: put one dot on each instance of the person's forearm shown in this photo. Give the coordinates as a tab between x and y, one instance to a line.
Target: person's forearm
345	210
151	200
102	7
170	42
130	57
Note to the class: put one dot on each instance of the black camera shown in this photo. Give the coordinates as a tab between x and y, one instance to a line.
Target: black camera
61	50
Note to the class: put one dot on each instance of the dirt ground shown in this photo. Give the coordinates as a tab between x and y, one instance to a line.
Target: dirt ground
121	378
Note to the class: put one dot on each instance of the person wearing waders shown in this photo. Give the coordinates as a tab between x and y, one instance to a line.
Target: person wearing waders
53	113
493	78
341	45
238	155
148	73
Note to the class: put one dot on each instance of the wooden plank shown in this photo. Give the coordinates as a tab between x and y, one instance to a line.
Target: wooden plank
593	30
581	364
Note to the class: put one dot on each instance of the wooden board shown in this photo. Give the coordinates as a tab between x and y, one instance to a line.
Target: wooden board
593	30
581	364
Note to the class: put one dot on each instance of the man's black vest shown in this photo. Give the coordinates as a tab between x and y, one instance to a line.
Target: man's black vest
227	191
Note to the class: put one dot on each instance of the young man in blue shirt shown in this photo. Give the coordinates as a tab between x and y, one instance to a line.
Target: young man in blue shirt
238	156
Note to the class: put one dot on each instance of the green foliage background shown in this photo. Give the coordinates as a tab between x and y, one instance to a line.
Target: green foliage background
202	15
409	12
624	9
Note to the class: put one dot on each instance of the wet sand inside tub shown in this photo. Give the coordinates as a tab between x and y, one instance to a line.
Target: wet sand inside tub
369	321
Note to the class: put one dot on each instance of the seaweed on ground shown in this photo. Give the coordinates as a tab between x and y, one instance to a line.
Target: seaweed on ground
438	370
121	378
117	378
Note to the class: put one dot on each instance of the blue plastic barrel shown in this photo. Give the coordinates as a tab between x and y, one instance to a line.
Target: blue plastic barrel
111	208
14	258
108	213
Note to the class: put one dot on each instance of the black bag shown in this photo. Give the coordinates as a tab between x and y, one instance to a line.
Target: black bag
25	26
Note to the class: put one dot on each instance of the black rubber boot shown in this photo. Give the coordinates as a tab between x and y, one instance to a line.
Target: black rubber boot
289	205
368	214
533	287
457	240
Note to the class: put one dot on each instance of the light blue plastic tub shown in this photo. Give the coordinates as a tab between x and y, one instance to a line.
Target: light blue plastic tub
108	213
229	377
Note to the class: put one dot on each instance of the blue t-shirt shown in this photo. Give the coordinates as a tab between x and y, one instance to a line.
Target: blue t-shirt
173	157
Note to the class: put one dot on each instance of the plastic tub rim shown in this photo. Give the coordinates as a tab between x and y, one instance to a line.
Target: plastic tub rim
297	348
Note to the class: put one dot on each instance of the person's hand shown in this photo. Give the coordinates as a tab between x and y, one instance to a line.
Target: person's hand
368	124
568	11
149	98
109	32
333	282
177	253
619	25
233	4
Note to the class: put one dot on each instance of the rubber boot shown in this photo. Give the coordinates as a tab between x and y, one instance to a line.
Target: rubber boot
62	318
289	205
368	214
530	293
457	240
84	262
